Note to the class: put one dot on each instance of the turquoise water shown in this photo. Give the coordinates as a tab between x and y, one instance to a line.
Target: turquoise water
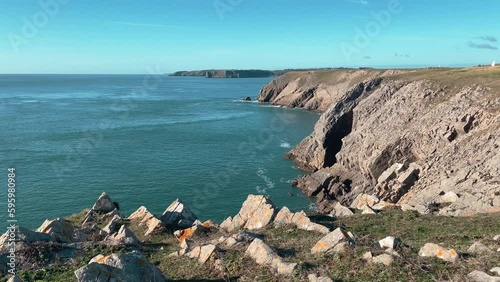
145	141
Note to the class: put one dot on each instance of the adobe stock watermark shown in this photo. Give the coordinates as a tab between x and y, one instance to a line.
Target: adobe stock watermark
372	29
32	25
223	6
93	139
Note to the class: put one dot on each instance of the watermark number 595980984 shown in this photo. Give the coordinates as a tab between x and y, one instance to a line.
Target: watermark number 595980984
11	219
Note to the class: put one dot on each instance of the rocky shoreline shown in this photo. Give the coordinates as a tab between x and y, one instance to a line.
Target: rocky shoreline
426	140
260	243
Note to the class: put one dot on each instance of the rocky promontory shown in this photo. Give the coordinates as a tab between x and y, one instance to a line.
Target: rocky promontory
426	140
226	73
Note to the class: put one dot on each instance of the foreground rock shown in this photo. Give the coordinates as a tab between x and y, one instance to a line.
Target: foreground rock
299	219
146	219
336	239
59	229
125	237
434	250
265	256
479	248
315	278
131	266
386	259
178	215
479	276
15	278
256	212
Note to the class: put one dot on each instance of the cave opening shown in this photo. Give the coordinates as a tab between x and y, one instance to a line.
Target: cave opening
333	143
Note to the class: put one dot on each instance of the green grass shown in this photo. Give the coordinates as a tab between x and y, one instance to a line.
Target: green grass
294	246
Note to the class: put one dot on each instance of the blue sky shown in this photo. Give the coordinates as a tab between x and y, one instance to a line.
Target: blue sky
95	36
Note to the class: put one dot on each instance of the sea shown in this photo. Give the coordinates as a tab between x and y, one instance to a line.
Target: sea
145	140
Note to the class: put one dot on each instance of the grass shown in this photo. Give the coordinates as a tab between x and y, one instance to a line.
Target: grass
294	246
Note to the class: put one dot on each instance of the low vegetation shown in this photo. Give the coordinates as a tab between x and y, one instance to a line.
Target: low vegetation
294	246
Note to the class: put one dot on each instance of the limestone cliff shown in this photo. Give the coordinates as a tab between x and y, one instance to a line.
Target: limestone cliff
406	136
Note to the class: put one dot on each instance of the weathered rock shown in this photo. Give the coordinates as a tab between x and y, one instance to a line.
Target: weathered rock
495	270
373	119
496	238
264	255
389	242
131	266
247	99
104	204
145	218
256	212
59	229
434	250
190	232
124	236
448	197
202	253
113	225
178	215
24	235
299	219
315	278
332	239
368	210
364	200
390	173
340	211
479	276
479	248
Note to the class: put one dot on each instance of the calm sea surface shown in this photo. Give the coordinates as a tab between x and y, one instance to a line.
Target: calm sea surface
145	141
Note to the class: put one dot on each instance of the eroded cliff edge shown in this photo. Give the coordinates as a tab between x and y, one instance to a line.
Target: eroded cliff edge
424	139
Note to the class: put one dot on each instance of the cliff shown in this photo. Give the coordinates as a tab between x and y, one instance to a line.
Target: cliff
423	139
225	73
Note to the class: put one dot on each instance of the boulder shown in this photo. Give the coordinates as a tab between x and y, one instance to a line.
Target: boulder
496	238
146	219
479	276
60	229
25	235
389	242
448	197
202	253
256	212
479	248
363	200
340	211
124	236
495	270
131	266
113	225
246	99
315	278
434	250
104	204
299	219
265	256
332	239
178	215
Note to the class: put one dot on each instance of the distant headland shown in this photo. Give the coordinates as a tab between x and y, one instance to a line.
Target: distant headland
233	73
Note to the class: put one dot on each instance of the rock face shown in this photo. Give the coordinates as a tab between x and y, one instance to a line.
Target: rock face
131	266
264	255
104	204
408	137
256	212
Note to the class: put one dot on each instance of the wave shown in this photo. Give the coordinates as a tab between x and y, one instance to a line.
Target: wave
285	144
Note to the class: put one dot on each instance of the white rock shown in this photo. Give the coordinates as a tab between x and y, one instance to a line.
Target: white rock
389	242
264	255
478	249
479	276
179	215
104	204
495	270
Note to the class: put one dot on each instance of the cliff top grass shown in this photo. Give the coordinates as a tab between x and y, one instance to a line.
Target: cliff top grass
294	245
461	77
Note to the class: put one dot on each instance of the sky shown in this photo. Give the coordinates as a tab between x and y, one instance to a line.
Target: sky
123	36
